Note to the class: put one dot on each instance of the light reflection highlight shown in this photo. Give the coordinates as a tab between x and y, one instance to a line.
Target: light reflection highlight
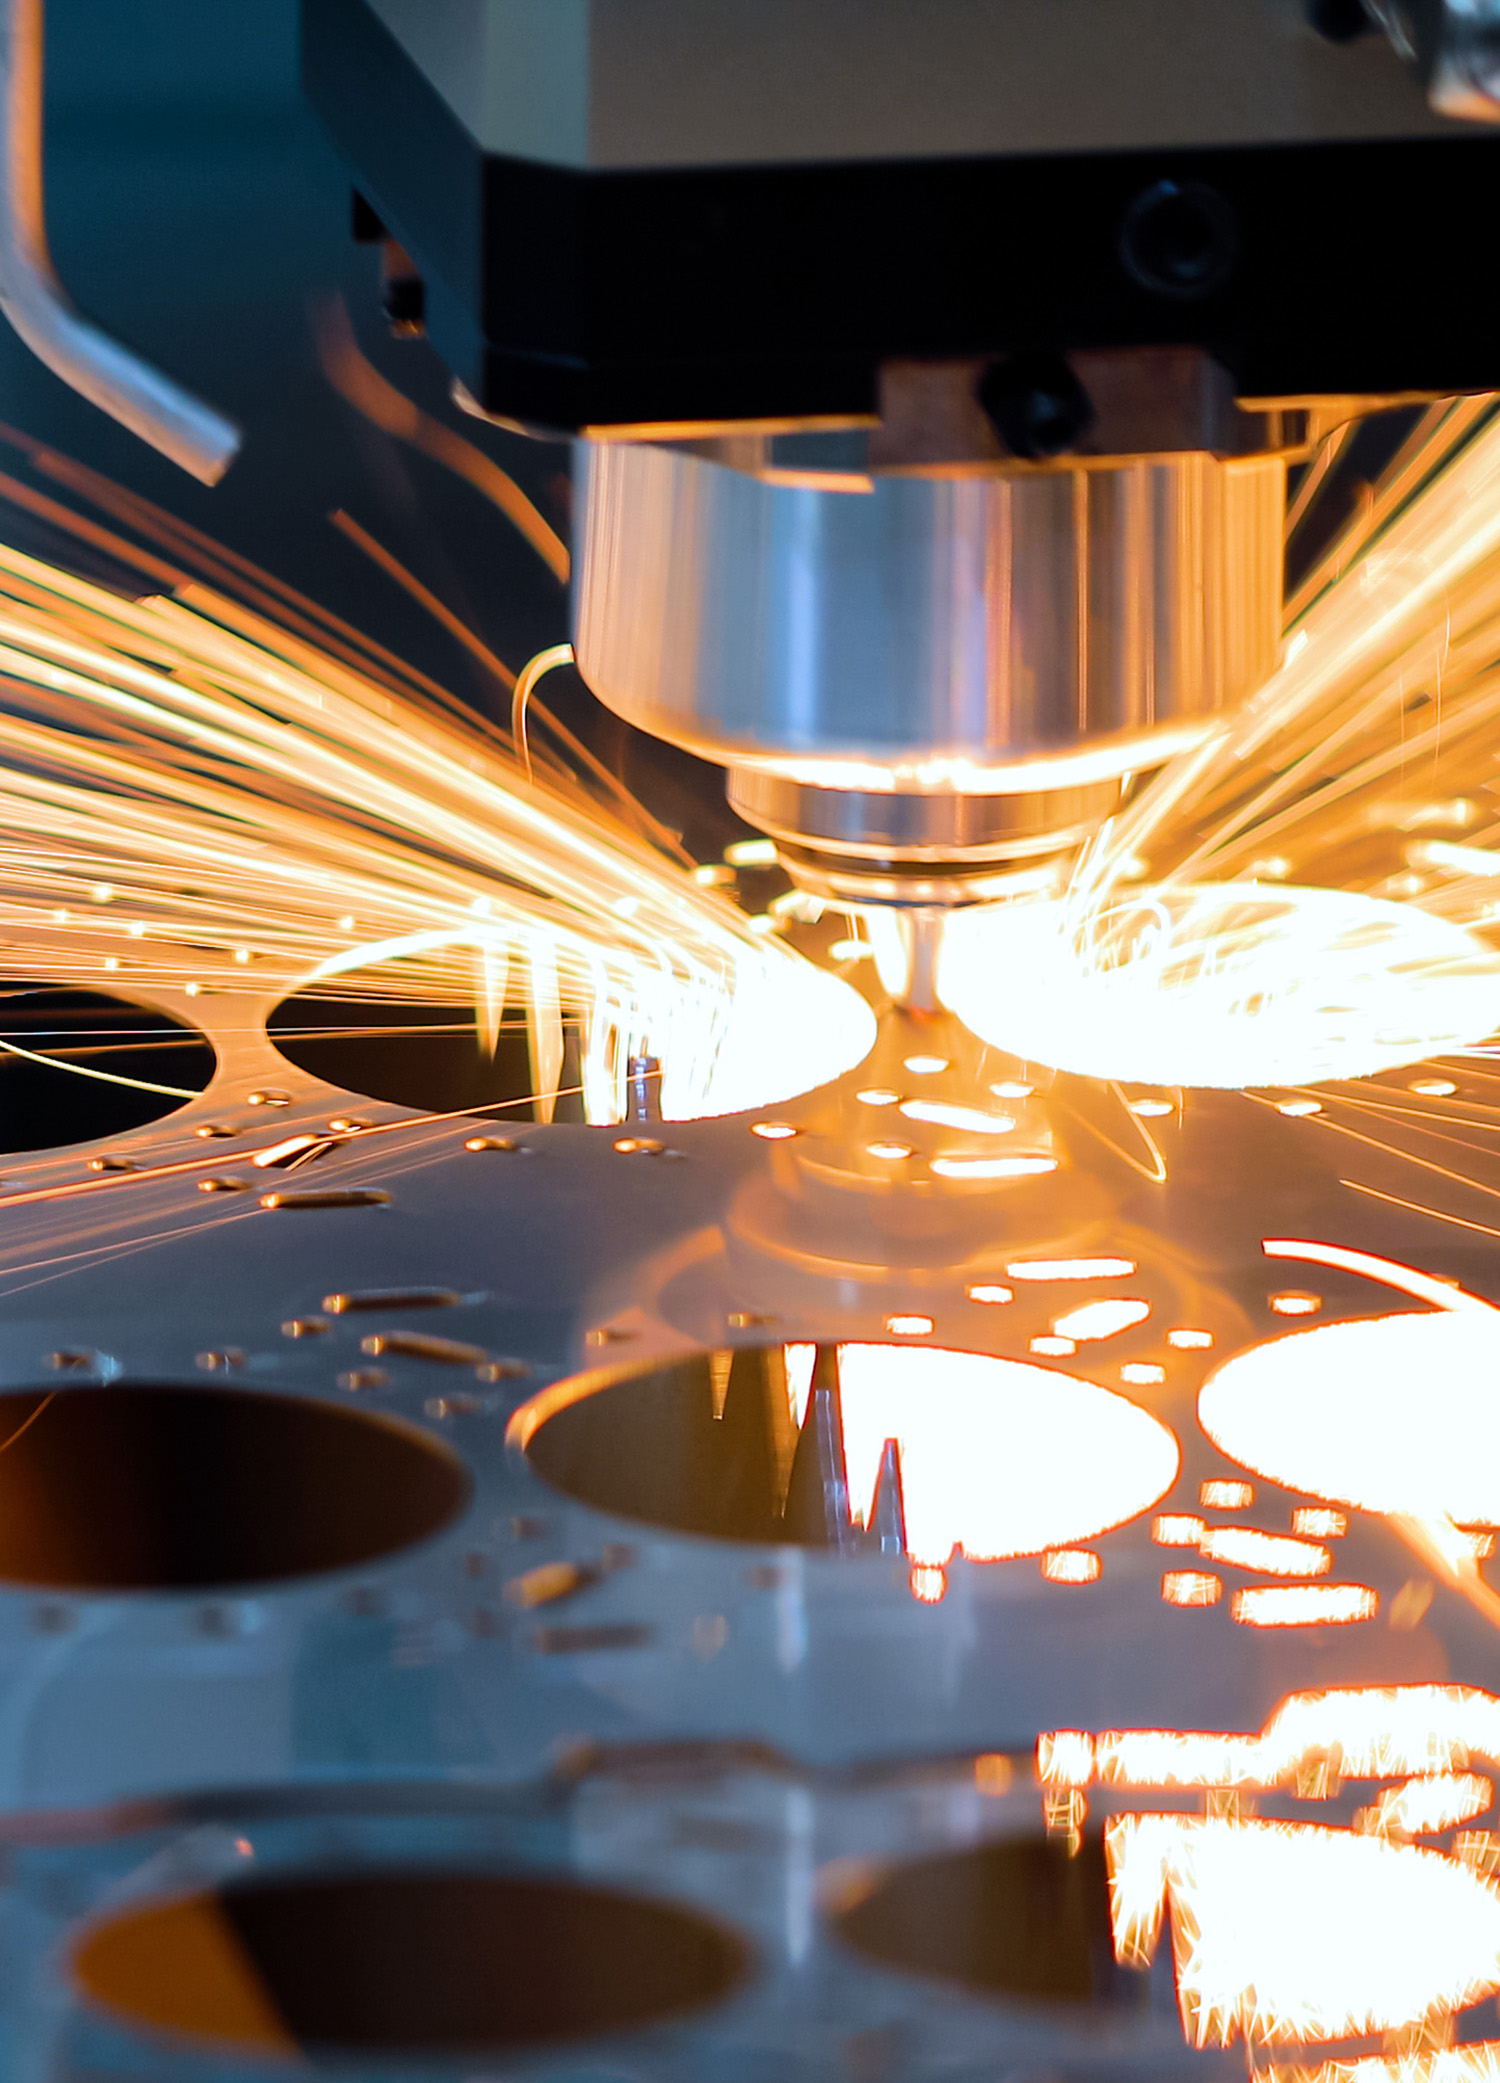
1229	985
997	1458
971	1120
1394	1413
1278	1555
1104	1319
1068	1268
1426	1805
1285	1933
1304	1605
992	1167
1191	1587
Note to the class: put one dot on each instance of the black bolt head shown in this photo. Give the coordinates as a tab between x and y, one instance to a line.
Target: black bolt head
1036	405
1341	21
1180	239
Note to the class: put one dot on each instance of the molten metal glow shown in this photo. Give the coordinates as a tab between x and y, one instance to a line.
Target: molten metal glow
1069	1268
1424	1806
1319	1522
1285	1932
1177	1530
989	1291
1184	1340
972	1120
1106	1319
1478	2061
1373	1731
1225	1494
1304	1605
1392	1413
1277	1554
236	788
998	1458
1191	1587
1071	1566
1227	985
992	1167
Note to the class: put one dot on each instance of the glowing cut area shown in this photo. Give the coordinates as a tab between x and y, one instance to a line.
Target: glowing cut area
1278	1555
998	1458
1229	985
1103	1319
1069	1268
1177	1530
1431	1802
971	1120
1191	1587
1028	1167
478	886
1289	1932
1304	1605
908	1449
1393	1413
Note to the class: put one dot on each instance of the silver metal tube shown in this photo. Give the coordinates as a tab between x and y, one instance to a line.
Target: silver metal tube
918	620
195	436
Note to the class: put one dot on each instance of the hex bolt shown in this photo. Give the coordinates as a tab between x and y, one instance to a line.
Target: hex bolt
1179	239
1036	405
1339	21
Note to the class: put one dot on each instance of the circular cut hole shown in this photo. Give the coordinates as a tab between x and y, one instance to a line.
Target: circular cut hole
403	1961
1018	1918
418	1055
860	1448
150	1487
77	1065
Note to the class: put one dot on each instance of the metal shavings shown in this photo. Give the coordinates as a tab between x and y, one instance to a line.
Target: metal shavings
296	1150
215	1362
270	1097
305	1327
580	1641
391	1298
224	1185
364	1378
548	1582
417	1345
331	1197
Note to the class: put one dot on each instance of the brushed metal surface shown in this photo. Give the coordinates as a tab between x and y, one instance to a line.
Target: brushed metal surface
922	619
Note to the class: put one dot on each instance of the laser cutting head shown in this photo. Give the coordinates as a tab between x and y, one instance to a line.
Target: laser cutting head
935	366
926	660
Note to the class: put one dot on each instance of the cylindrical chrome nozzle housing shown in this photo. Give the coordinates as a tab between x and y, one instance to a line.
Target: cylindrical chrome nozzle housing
914	620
